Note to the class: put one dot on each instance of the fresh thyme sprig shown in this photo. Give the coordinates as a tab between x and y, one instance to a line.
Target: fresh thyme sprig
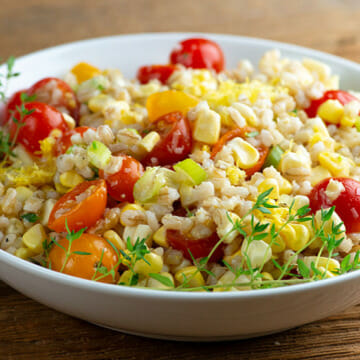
4	78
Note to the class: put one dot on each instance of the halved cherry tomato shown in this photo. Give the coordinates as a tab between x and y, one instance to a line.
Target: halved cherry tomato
175	143
155	72
38	125
81	265
81	207
12	105
57	93
64	141
199	248
121	184
347	204
198	54
241	132
342	96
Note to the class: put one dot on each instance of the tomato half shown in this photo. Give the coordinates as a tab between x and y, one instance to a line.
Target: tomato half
342	96
84	266
12	105
38	125
347	204
81	207
155	72
121	184
198	54
241	132
175	143
199	248
64	141
57	93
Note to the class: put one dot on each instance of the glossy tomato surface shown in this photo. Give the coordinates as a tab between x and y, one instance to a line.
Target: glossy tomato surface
81	207
199	248
155	72
120	185
37	125
198	54
90	250
64	141
13	103
57	93
347	204
342	96
175	143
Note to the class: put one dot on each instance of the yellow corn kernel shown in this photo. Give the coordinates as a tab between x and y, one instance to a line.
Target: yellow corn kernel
153	264
187	273
331	111
327	273
207	127
69	120
227	278
347	121
70	179
23	193
115	239
326	140
61	189
297	237
129	206
235	175
33	239
84	71
159	237
125	277
330	264
266	276
269	184
318	174
46	211
278	246
155	284
47	146
149	141
258	252
245	155
205	148
100	102
56	133
337	164
285	186
24	253
247	112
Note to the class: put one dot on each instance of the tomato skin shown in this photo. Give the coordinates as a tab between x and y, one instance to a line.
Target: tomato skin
241	132
121	184
44	90
199	248
12	104
198	53
84	266
175	143
79	214
347	204
38	125
64	141
342	96
155	72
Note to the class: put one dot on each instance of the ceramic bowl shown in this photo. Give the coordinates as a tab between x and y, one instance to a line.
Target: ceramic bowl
175	315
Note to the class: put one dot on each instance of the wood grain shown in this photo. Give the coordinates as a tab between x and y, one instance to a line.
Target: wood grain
29	330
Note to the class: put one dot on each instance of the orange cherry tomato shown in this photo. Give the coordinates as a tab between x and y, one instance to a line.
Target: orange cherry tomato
241	132
120	185
155	72
64	141
81	265
81	207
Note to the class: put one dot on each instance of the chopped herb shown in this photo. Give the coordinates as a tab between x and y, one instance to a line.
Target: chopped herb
30	217
252	134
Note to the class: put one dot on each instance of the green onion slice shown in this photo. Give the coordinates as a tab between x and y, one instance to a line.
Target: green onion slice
190	171
274	157
99	154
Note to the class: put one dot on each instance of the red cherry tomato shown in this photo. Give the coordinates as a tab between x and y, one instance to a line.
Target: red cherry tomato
121	184
347	204
38	125
152	72
198	54
64	141
241	132
57	93
342	96
175	143
12	104
199	248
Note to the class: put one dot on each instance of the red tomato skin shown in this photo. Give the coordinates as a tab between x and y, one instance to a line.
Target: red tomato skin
158	72
121	184
64	141
347	204
175	143
38	125
199	248
67	100
12	104
198	54
342	96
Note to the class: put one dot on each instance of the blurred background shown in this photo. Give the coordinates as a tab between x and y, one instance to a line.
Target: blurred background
328	25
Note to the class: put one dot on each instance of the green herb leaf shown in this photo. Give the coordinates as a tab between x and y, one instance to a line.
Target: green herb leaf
252	134
81	253
162	279
30	217
303	269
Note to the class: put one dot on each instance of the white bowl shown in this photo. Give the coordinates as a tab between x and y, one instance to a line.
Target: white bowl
175	315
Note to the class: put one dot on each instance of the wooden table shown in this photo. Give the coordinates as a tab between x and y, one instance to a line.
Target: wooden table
29	330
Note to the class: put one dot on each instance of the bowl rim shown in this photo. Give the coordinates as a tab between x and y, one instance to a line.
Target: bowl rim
72	281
